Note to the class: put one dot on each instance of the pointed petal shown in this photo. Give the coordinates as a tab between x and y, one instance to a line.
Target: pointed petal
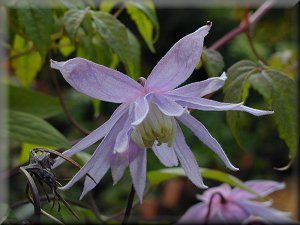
262	187
94	136
224	189
165	154
118	166
195	214
98	81
103	154
99	169
272	215
123	137
233	213
187	159
179	62
141	109
202	133
138	172
202	88
166	105
210	105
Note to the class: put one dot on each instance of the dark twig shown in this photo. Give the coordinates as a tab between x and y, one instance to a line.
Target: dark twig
65	108
243	25
129	206
35	195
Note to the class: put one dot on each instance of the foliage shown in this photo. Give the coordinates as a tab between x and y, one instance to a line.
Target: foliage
126	35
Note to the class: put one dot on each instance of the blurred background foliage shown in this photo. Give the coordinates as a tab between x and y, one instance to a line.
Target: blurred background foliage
132	36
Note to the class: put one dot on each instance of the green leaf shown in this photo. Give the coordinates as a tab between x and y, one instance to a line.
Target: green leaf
236	91
158	176
25	66
213	62
143	14
71	4
73	19
25	127
107	5
36	23
120	40
66	47
32	102
278	90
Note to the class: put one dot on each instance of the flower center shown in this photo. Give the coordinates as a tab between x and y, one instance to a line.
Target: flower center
156	128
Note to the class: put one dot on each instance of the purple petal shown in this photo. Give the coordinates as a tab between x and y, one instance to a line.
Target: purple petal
165	154
210	105
259	209
123	137
223	189
138	172
119	163
202	88
103	154
94	136
166	105
262	187
141	109
195	214
179	62
202	133
98	81
187	159
233	213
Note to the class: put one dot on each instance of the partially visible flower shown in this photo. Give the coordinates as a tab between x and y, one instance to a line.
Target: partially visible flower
225	205
147	117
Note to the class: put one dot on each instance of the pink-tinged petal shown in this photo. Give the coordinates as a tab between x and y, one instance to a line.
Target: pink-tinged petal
200	89
118	165
223	189
202	133
187	159
195	214
141	109
233	213
138	168
255	220
103	154
270	214
94	136
210	105
98	81
166	105
165	154
179	62
262	187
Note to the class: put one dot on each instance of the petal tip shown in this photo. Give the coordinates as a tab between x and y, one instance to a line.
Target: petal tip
56	65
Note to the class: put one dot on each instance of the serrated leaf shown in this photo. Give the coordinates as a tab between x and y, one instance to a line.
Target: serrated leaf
32	102
213	62
143	14
278	90
25	127
120	40
236	90
25	66
158	176
36	23
73	19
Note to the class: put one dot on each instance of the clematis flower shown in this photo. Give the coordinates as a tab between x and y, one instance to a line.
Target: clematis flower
225	205
148	115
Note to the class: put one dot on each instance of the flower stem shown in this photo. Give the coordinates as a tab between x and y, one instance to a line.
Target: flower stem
129	206
244	25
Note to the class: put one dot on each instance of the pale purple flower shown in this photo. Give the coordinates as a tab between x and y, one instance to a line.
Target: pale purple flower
225	205
147	117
